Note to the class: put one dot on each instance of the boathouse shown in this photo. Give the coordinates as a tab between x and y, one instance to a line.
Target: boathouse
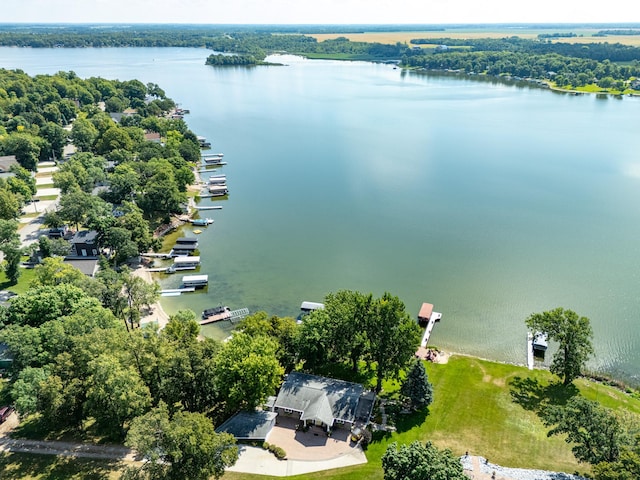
195	281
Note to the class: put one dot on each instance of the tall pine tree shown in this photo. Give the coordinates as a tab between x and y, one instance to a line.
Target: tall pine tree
416	386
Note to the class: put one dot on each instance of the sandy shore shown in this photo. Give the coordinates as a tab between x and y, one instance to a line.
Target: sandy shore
155	312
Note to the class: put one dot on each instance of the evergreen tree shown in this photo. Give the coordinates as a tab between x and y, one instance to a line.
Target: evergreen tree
416	386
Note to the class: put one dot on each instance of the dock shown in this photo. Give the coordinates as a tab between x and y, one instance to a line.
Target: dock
159	269
428	315
155	255
174	292
208	195
231	315
530	350
212	207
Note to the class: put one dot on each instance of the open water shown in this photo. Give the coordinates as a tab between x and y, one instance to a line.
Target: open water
491	201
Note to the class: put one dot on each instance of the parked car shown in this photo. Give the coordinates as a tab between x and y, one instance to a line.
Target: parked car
5	412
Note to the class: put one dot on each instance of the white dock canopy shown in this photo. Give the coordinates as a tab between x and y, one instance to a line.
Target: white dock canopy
195	280
309	306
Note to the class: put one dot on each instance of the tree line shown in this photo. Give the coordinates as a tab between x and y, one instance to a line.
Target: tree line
562	64
614	52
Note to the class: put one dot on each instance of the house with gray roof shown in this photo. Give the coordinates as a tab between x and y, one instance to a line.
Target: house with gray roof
6	162
322	401
251	426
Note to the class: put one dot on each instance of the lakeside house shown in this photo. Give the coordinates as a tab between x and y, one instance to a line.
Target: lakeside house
311	399
88	266
323	401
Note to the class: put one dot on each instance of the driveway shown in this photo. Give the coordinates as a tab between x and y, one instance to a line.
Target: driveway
313	444
307	452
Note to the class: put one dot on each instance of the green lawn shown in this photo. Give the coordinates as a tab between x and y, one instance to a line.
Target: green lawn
487	409
26	275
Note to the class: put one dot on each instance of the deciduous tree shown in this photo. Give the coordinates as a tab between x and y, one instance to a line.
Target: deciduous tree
574	335
185	446
393	336
420	461
594	431
247	371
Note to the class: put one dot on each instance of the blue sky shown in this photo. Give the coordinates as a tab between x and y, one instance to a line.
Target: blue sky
317	11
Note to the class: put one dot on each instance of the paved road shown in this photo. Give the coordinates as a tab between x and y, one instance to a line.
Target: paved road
68	449
29	232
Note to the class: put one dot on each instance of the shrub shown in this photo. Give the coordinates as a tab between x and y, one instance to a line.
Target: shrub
276	450
365	440
280	453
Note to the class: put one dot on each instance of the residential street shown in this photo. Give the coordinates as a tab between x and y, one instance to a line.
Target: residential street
29	224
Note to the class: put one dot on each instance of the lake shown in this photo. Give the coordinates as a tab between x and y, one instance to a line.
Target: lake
491	201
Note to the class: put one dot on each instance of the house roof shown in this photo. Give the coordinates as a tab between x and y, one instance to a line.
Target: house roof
85	236
319	398
249	425
186	241
425	311
7	161
152	136
88	266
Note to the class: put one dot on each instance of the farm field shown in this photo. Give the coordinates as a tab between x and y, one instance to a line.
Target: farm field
584	35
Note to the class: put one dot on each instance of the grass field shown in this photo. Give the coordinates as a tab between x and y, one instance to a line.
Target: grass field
406	37
487	409
26	276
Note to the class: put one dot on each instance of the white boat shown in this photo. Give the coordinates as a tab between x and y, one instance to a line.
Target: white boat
201	222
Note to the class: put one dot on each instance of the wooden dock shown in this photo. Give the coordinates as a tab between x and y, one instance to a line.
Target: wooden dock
231	315
530	350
